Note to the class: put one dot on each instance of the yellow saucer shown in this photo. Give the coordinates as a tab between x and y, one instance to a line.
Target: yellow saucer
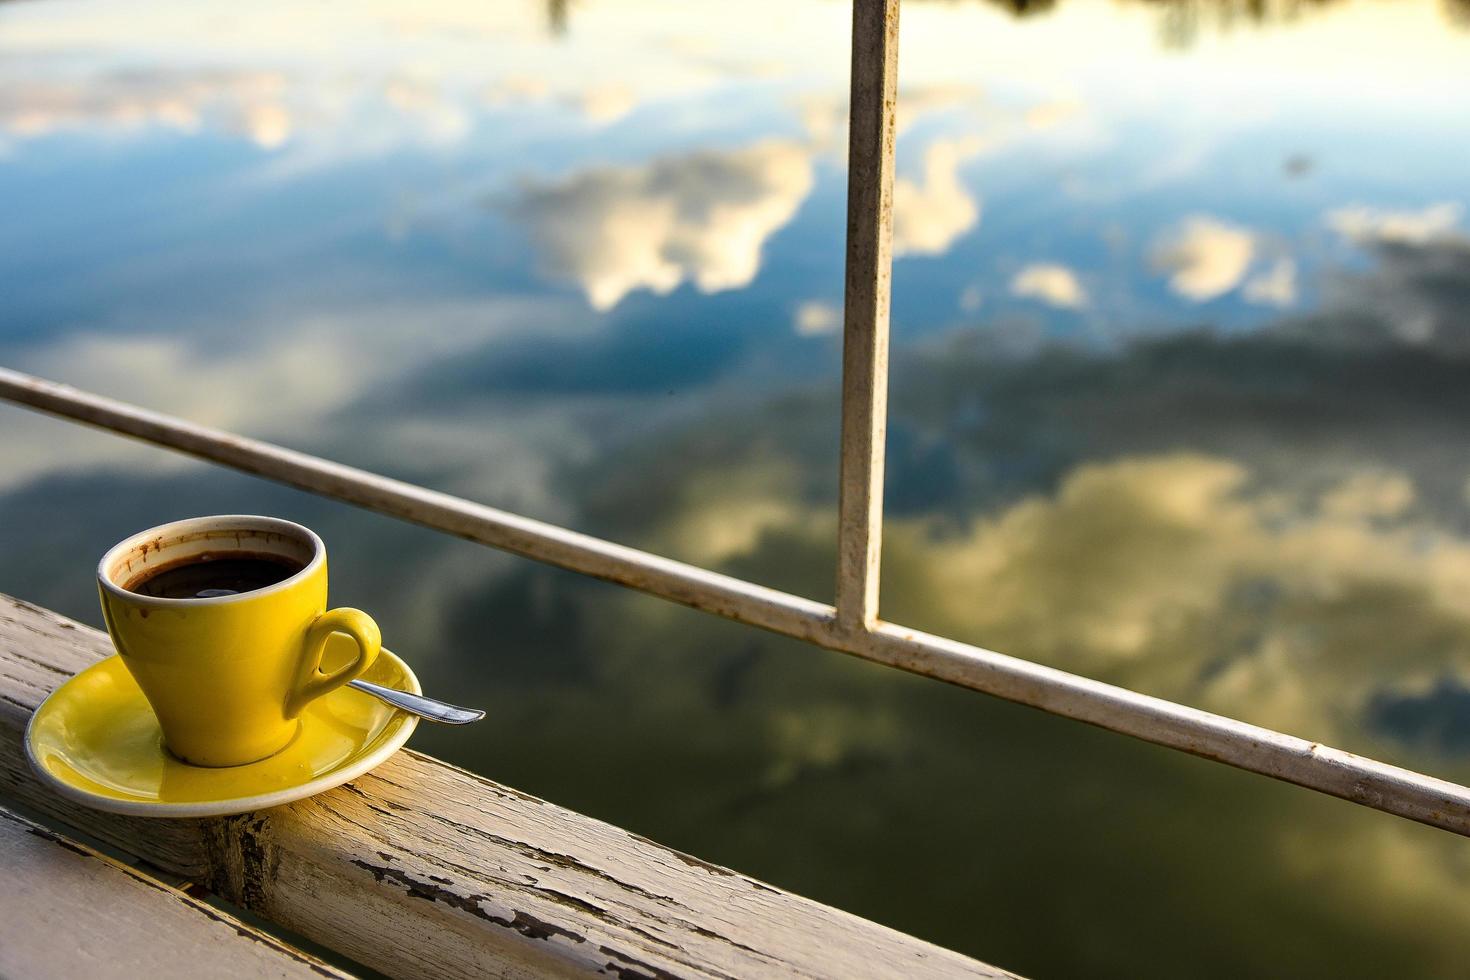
96	740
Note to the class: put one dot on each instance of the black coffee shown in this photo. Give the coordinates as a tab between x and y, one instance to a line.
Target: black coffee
208	576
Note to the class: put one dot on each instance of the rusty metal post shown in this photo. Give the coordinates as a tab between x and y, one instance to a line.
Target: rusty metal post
871	131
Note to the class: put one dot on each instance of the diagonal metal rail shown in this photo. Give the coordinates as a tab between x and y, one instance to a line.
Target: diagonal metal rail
1374	784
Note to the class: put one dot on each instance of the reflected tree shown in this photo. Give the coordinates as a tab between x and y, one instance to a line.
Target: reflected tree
1018	8
558	17
1026	8
1182	21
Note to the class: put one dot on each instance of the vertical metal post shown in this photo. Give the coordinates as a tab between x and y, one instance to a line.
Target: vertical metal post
874	100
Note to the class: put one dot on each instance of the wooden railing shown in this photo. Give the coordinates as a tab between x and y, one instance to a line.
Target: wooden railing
68	911
423	869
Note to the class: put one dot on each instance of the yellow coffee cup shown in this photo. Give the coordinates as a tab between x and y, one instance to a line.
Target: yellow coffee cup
228	674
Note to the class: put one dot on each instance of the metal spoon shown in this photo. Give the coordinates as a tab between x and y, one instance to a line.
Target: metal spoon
419	705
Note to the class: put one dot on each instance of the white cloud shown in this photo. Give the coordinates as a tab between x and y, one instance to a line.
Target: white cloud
1366	225
1176	574
281	380
1276	287
606	103
1370	494
702	217
599	101
432	114
1049	115
929	215
1206	257
1144	558
267	125
932	209
731	509
825	116
1053	284
815	318
245	102
88	71
514	88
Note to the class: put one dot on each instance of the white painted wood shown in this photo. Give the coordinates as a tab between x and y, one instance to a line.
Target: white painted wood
68	911
422	869
871	132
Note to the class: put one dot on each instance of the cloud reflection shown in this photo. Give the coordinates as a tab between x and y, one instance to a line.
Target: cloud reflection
929	214
1053	284
1367	225
1274	287
1272	527
277	379
1303	563
1170	574
815	318
1207	257
245	102
702	217
1266	526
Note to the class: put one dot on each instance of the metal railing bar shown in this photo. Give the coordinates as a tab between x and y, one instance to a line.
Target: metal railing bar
872	105
712	592
1373	784
1361	780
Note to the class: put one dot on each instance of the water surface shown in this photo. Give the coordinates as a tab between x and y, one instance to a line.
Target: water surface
1180	374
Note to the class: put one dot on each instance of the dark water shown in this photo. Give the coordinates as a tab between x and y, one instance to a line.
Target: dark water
1181	375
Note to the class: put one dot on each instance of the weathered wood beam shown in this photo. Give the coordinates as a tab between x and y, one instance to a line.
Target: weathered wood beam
68	911
422	869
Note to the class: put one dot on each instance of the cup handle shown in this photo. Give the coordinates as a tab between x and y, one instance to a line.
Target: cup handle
311	683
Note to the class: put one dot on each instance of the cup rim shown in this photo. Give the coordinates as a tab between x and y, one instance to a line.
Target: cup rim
253	522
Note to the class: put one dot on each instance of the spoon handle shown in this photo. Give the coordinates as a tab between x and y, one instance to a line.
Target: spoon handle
419	705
